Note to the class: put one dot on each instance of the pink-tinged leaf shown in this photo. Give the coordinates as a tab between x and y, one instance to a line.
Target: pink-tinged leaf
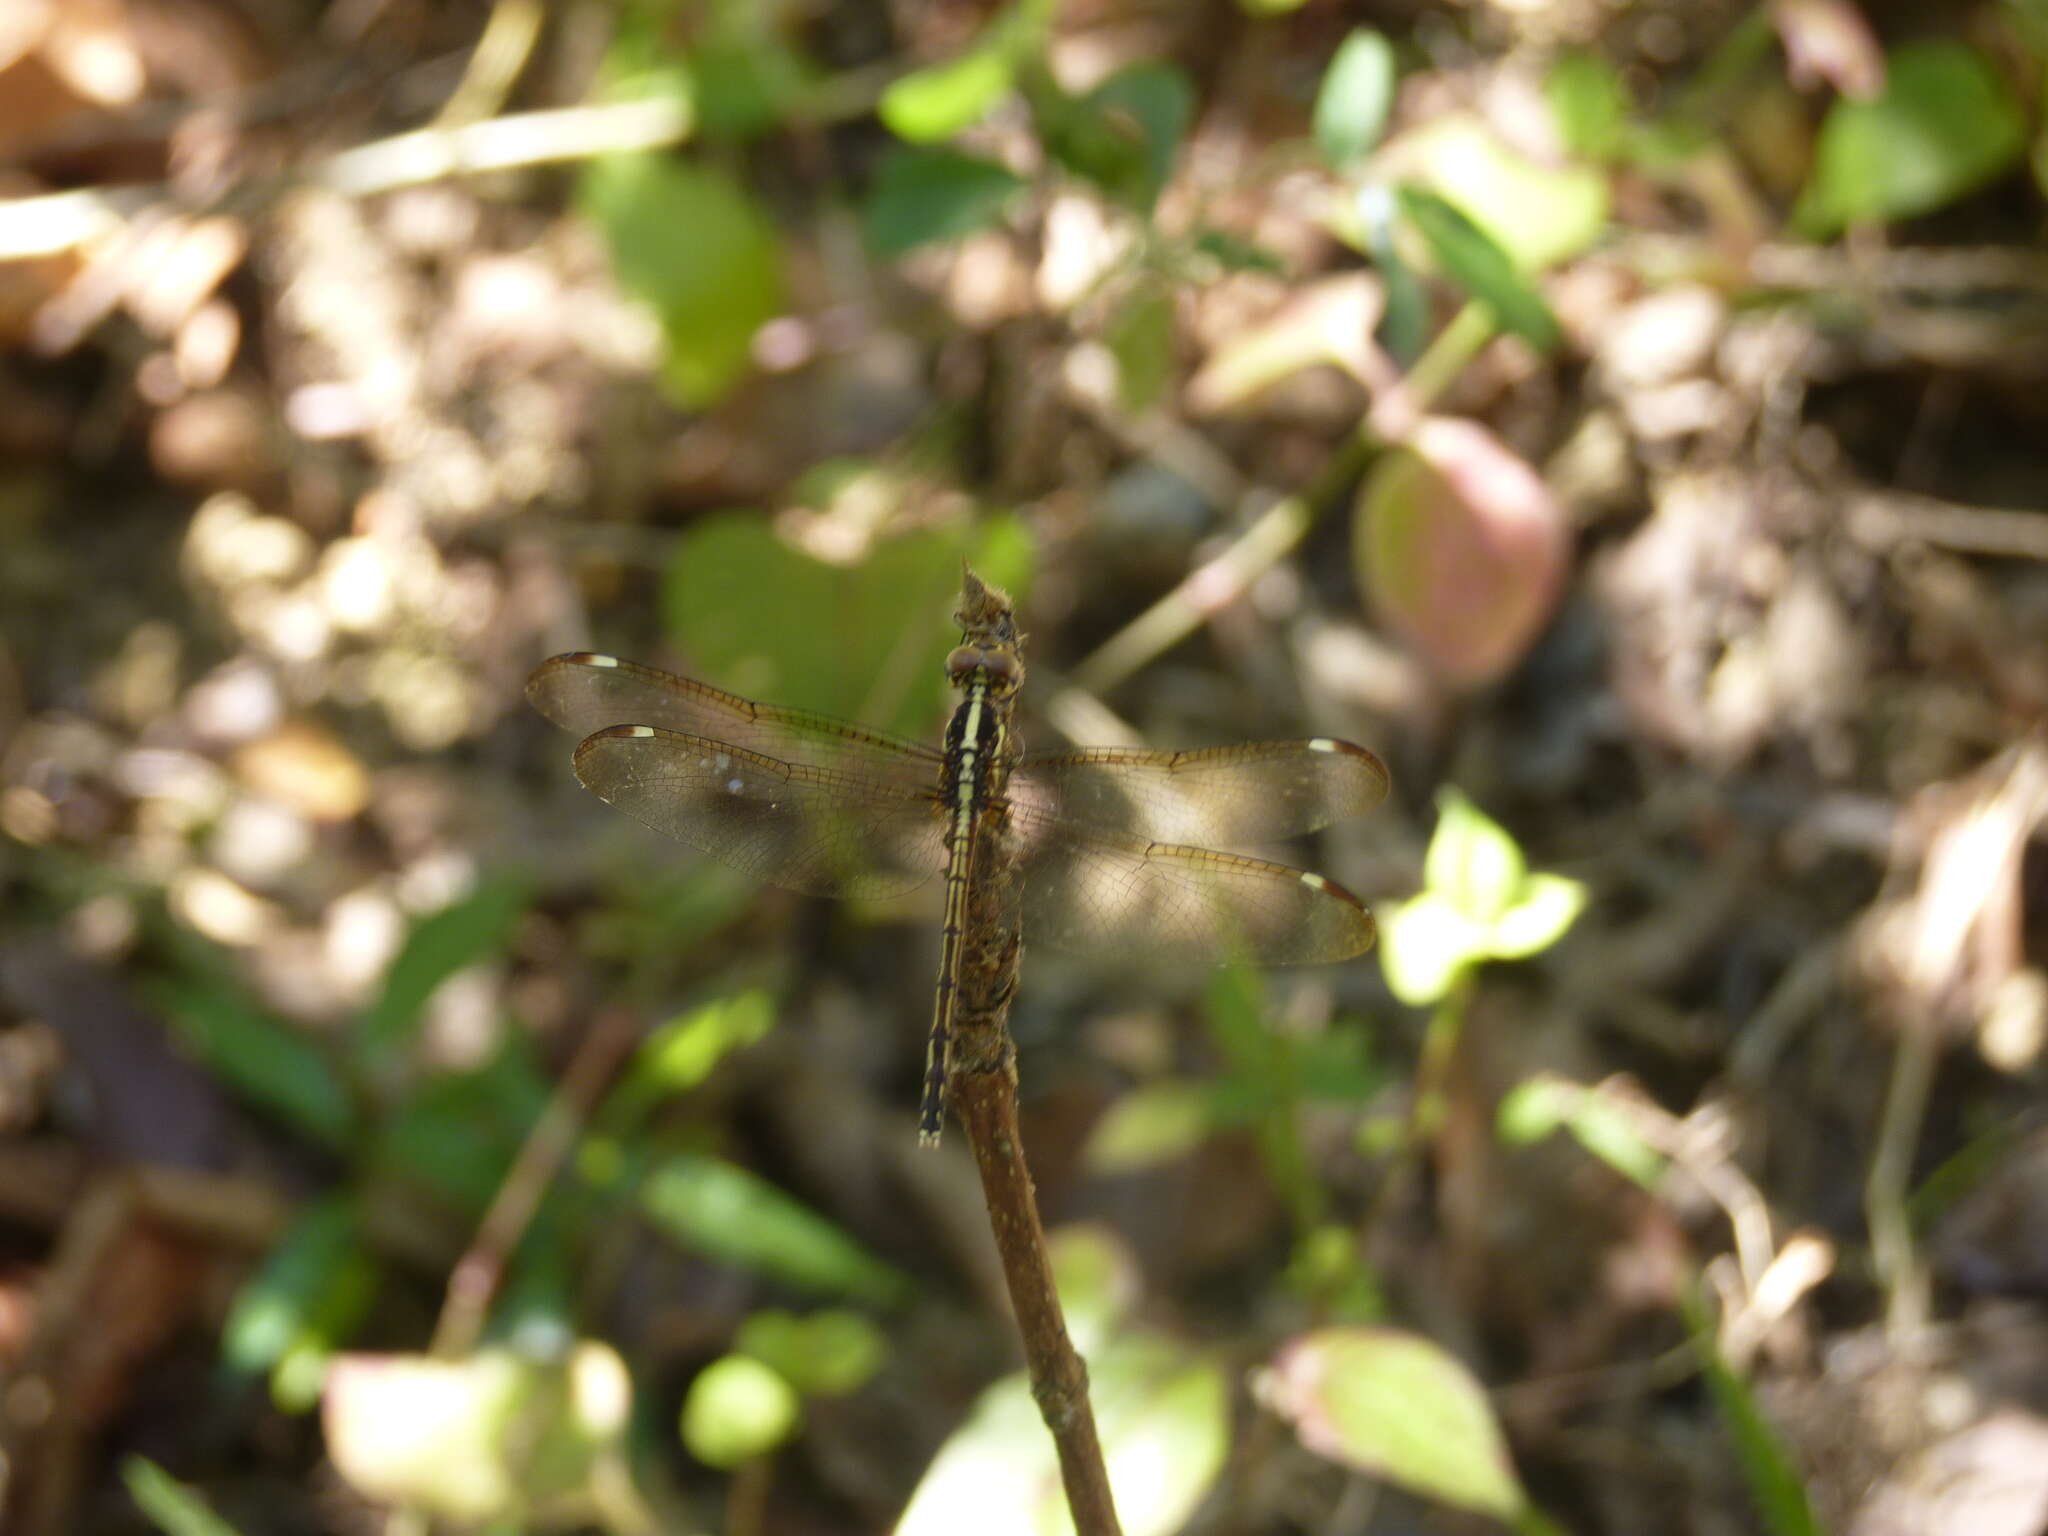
1464	550
1395	1405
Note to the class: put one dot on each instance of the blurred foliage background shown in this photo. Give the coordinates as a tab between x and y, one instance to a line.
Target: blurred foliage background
1626	418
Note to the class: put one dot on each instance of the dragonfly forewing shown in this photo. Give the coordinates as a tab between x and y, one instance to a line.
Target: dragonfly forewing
585	692
824	831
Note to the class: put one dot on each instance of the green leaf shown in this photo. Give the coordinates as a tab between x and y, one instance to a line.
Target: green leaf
866	641
1543	909
936	102
1140	338
175	1509
1124	135
312	1291
461	934
1397	1406
720	1210
826	1353
689	243
931	104
1425	945
1151	1125
1538	214
457	1132
1540	1106
1472	862
1357	91
1946	125
736	1410
682	1053
746	82
264	1059
932	193
1589	102
1470	258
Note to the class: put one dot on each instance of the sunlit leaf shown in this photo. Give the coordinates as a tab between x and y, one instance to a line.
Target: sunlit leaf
927	193
1468	256
496	1436
176	1509
1425	944
1544	907
688	242
718	1209
475	928
737	1409
934	103
1945	125
1398	1406
683	1052
1356	93
1164	1418
1537	214
1472	862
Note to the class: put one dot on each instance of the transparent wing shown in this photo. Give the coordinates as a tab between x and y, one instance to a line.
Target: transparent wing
1226	795
1092	891
825	831
584	692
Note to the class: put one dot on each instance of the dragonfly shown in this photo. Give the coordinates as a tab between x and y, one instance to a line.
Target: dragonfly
1111	844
